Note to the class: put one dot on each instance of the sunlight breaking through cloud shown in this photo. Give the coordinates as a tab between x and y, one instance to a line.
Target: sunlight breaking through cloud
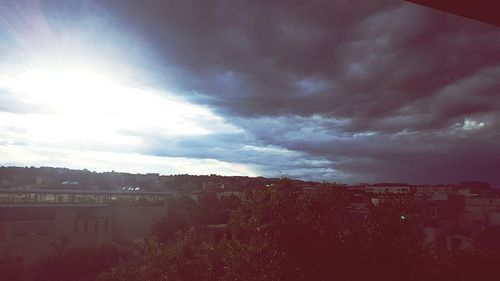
470	124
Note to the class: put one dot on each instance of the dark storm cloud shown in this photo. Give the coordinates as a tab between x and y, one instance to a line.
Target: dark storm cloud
424	156
328	57
376	88
365	90
239	148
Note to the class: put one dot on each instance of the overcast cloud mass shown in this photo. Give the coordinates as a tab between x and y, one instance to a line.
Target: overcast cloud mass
346	91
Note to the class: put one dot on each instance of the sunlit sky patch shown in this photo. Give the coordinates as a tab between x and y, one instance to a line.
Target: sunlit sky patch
119	161
324	90
68	103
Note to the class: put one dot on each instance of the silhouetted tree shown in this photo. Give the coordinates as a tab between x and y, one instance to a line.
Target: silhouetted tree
182	259
171	226
283	234
185	213
391	245
465	266
10	270
77	264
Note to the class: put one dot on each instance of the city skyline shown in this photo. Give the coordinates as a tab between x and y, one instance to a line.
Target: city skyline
379	91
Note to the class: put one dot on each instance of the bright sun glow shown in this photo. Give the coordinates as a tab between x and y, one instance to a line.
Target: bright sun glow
78	94
77	114
78	102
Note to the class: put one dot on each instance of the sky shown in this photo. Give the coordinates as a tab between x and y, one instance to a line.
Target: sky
338	91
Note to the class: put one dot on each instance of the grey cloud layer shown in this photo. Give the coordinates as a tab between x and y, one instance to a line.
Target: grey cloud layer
373	90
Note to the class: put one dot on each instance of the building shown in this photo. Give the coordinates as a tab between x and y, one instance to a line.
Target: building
477	188
31	220
387	189
441	214
429	191
147	178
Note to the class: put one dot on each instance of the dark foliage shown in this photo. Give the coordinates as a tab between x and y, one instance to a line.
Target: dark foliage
10	270
77	264
184	213
286	234
183	259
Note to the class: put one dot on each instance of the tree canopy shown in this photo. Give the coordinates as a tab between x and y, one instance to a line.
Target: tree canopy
282	233
77	264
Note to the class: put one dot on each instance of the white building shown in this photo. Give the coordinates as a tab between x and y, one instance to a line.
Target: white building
387	189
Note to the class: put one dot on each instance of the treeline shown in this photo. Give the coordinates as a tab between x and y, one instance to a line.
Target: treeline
83	179
278	234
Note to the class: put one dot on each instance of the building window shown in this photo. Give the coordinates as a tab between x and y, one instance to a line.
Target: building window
42	228
19	260
96	226
22	229
434	212
35	228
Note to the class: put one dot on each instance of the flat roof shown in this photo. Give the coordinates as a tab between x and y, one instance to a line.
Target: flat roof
72	191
